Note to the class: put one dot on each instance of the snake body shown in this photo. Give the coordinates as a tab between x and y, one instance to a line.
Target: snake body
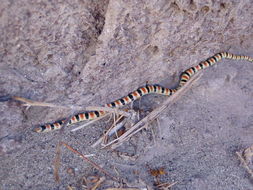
149	89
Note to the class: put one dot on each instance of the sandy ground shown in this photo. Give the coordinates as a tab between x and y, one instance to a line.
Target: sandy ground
194	141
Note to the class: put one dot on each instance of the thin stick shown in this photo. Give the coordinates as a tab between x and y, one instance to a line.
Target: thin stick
88	160
29	103
114	128
98	142
248	154
109	133
245	164
57	163
99	182
166	185
154	114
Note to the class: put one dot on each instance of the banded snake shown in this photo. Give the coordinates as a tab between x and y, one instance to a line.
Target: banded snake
149	89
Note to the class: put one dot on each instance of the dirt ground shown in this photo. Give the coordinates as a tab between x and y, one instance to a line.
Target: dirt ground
88	53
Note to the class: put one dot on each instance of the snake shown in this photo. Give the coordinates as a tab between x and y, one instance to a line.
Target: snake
137	94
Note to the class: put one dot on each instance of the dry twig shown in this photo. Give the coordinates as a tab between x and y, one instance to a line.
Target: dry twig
164	186
99	182
244	158
127	121
248	154
29	103
115	126
108	133
57	162
69	187
154	114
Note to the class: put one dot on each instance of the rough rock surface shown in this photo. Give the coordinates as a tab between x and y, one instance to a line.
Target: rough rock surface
84	53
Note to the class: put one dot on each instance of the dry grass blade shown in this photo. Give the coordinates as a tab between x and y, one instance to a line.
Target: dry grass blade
154	114
164	186
109	133
58	160
88	160
69	187
116	126
57	163
28	103
248	154
100	181
244	161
